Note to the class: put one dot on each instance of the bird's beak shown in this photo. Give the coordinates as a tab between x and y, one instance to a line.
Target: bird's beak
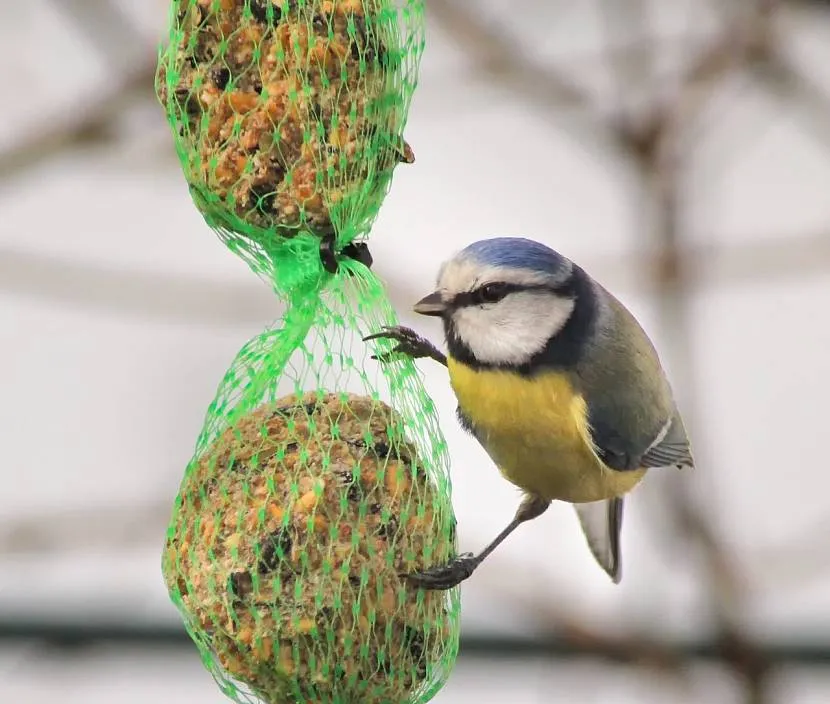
430	305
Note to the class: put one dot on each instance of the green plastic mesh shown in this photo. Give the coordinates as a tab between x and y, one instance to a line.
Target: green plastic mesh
288	115
305	501
320	477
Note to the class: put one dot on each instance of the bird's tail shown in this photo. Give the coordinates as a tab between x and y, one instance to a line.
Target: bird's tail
601	523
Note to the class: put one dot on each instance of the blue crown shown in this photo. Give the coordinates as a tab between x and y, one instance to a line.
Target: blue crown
517	253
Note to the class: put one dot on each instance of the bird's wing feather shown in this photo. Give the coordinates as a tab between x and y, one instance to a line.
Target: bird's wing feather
601	523
670	447
633	418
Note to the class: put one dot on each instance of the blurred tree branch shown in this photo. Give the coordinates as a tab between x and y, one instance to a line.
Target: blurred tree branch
106	28
91	120
131	65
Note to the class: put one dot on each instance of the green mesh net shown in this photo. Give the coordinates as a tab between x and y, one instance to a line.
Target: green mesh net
288	114
307	499
320	477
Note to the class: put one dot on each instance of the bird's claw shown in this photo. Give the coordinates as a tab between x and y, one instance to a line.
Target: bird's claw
445	576
410	343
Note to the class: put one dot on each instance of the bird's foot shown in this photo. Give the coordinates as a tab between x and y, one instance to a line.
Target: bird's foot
410	344
445	576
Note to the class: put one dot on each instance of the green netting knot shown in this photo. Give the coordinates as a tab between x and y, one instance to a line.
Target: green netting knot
302	264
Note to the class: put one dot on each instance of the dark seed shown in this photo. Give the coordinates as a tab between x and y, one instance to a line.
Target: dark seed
316	108
257	86
241	584
414	641
220	77
188	101
344	477
319	23
192	106
354	493
358	47
259	10
382	449
325	616
354	580
205	44
382	54
262	197
238	465
309	408
384	665
203	54
388	529
273	549
374	508
360	40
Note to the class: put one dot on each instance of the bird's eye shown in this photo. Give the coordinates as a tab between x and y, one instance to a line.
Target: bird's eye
490	293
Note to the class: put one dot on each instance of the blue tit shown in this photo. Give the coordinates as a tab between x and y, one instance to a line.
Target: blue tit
556	380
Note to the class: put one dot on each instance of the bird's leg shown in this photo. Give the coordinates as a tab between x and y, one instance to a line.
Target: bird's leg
449	575
410	344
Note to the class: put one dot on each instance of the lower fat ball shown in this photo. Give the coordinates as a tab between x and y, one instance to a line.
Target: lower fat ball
283	108
287	546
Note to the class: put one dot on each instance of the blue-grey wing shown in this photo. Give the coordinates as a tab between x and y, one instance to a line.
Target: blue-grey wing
666	445
632	414
671	448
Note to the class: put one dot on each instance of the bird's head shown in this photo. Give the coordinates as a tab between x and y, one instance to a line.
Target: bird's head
504	300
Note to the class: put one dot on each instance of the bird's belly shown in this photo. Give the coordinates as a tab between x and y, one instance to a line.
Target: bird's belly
555	468
536	432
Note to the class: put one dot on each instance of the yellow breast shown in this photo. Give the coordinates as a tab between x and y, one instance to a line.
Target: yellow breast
536	431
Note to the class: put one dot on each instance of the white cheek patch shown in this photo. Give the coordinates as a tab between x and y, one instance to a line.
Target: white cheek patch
514	329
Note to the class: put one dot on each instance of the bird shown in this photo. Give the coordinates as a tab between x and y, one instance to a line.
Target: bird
556	380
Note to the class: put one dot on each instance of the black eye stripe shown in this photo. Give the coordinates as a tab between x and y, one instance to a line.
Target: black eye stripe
489	293
497	290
